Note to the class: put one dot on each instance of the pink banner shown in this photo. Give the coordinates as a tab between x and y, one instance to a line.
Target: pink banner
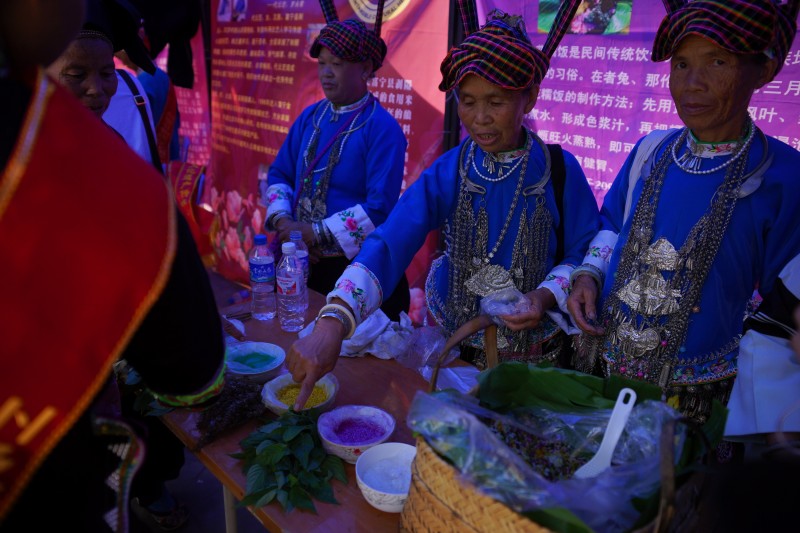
262	78
603	93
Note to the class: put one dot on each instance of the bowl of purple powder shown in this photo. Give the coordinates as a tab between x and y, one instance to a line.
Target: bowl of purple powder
349	430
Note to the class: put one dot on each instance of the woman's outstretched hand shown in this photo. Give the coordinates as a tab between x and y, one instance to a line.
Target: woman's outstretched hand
314	355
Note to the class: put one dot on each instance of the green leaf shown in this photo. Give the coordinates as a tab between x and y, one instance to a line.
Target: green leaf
301	500
559	519
255	479
310	481
250	499
335	466
292	432
266	498
272	453
301	448
284	460
316	457
511	385
325	493
287	503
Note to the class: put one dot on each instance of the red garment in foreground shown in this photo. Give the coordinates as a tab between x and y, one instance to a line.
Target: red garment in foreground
80	266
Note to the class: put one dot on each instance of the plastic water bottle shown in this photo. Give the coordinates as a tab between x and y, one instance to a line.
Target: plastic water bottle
302	251
291	284
262	280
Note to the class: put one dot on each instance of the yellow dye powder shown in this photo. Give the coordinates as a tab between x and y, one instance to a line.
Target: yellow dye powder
288	395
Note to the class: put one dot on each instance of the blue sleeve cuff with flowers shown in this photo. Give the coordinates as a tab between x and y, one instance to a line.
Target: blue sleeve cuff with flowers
350	227
360	289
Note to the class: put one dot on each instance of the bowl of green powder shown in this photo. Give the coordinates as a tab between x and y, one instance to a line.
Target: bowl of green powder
256	361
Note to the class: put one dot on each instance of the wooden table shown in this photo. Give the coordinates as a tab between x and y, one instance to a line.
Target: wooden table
364	381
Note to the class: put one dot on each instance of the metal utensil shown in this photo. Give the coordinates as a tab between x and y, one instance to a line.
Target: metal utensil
231	329
241	315
619	417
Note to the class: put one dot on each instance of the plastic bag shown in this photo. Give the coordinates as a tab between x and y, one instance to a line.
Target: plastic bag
424	347
508	301
458	428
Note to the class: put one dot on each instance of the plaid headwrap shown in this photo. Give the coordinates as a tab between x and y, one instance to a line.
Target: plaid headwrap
752	27
350	39
501	52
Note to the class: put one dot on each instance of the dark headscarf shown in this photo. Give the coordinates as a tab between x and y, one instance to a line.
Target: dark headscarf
501	52
752	27
350	39
119	22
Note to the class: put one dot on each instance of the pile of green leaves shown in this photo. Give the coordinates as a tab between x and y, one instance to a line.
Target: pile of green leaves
284	460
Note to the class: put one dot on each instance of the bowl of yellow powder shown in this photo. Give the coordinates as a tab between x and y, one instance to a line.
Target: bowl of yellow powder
281	393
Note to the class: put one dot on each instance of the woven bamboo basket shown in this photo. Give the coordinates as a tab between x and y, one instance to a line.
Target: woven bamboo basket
439	502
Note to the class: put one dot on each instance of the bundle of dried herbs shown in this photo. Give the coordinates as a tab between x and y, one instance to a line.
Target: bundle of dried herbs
239	401
551	458
284	460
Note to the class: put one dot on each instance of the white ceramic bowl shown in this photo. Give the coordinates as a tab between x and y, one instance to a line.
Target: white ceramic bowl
383	474
350	430
256	361
269	393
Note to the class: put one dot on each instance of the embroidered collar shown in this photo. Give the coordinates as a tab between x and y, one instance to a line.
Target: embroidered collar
340	110
511	155
707	150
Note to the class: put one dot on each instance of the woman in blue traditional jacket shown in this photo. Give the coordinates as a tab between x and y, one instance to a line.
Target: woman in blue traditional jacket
494	196
698	217
339	172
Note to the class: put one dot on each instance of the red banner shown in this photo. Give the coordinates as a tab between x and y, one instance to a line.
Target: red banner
193	108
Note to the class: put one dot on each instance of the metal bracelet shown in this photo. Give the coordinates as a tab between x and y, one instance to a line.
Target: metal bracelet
590	270
327	236
340	313
277	215
316	231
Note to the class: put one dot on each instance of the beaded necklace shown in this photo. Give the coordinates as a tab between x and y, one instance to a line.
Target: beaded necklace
313	195
691	159
472	269
646	315
490	161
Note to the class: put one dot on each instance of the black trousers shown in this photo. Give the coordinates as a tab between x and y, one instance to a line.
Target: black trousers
324	274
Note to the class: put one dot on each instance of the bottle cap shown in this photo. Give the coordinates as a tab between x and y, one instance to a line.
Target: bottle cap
296	235
260	239
288	248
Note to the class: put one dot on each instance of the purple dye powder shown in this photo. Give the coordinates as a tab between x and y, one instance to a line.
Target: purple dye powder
357	431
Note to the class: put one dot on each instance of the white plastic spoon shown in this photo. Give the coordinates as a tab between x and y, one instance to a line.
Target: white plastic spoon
619	417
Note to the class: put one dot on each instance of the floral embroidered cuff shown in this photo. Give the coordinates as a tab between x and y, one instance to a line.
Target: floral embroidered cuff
600	250
359	287
557	282
350	227
278	198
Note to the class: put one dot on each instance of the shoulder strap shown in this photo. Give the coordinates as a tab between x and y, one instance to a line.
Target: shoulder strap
558	175
142	107
647	148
